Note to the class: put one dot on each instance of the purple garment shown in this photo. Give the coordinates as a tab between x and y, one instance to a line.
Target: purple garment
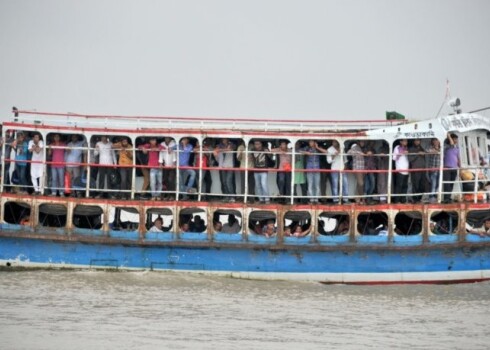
451	157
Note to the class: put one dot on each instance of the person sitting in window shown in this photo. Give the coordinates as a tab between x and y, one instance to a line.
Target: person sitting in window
184	227
483	231
217	226
299	232
157	225
197	225
269	230
232	226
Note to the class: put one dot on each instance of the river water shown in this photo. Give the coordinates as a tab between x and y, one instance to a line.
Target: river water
56	309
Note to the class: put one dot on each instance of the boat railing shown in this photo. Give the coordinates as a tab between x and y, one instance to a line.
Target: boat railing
297	191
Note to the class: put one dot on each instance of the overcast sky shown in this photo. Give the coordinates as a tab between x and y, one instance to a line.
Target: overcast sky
272	59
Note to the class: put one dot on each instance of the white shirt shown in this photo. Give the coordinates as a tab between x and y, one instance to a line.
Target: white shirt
167	156
334	158
401	160
105	152
36	156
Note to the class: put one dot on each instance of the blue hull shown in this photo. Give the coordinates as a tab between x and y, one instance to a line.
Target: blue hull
343	265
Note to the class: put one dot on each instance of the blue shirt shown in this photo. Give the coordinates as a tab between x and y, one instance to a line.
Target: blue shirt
312	161
184	154
22	153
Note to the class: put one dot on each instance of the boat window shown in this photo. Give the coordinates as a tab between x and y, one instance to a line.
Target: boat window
227	221
297	223
88	216
193	220
372	223
366	155
114	150
444	222
164	214
408	223
222	153
475	219
262	222
333	224
143	147
124	219
52	215
17	213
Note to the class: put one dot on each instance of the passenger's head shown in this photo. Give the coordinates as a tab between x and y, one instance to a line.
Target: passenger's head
362	143
258	145
153	141
225	141
455	138
158	223
312	143
36	138
270	224
487	223
403	142
185	141
197	218
283	145
435	142
74	138
231	219
416	142
298	229
217	226
335	143
124	141
20	136
167	140
56	137
184	227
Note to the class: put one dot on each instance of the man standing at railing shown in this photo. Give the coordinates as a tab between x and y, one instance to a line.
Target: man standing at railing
224	152
74	156
416	158
261	160
9	141
401	176
434	164
168	160
20	146
57	152
451	165
107	159
36	147
358	166
337	161
152	149
284	173
186	176
312	152
125	150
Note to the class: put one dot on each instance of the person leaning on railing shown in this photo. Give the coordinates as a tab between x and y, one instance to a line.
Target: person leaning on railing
261	160
312	153
401	176
452	163
416	158
125	152
434	163
57	152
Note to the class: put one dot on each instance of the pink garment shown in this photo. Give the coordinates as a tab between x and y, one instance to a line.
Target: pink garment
153	155
58	155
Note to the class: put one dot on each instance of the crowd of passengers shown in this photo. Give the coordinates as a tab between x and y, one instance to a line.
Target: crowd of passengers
111	161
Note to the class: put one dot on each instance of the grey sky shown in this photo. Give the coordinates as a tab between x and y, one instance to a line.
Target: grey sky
271	59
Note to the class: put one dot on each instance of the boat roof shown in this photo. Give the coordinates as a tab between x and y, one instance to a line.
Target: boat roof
385	129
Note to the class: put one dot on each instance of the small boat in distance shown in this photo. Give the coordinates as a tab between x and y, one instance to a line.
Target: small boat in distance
357	202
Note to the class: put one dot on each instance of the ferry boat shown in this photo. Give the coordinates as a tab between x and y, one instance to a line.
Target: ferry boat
178	194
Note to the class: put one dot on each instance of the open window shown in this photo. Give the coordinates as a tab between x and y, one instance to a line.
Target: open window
297	223
193	220
444	222
163	214
333	223
408	223
372	223
262	222
17	213
88	217
124	219
52	215
227	221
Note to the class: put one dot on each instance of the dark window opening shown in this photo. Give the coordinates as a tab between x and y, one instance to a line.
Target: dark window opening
89	217
193	220
125	219
444	222
372	223
17	213
52	215
333	224
408	223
